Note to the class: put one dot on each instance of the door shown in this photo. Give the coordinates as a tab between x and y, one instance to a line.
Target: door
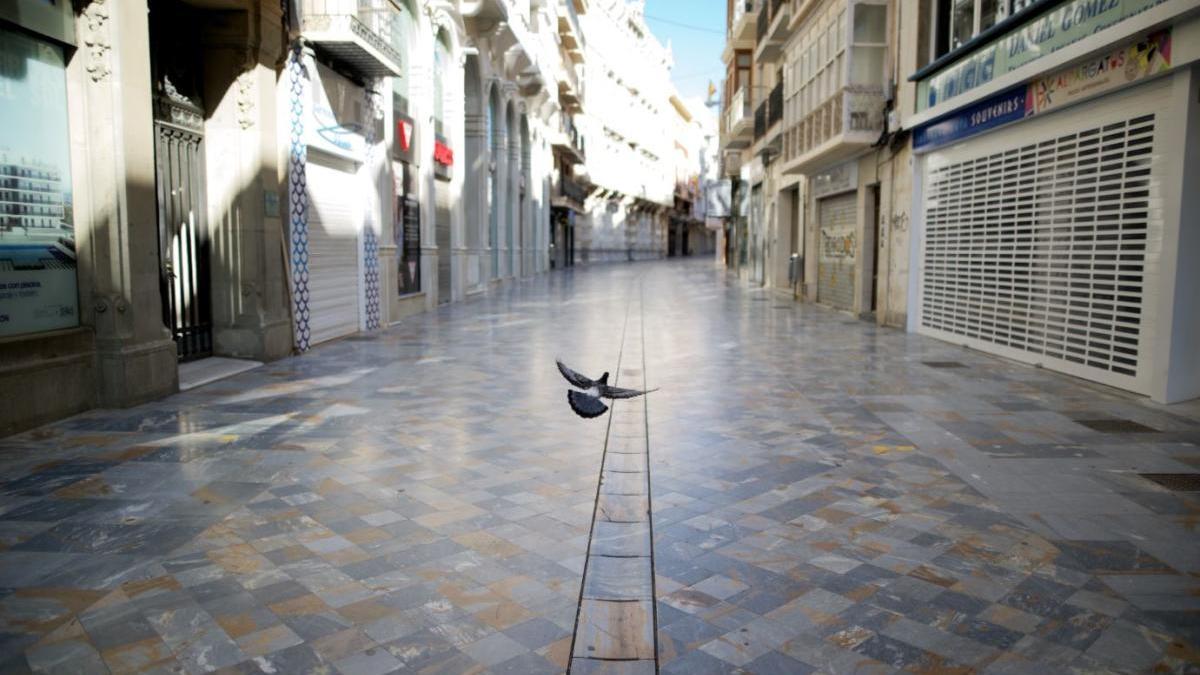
185	275
443	209
334	225
838	250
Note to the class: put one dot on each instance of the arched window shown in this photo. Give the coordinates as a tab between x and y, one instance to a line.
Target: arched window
441	61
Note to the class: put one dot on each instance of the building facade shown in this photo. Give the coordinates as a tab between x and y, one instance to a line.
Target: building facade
1004	175
285	174
627	127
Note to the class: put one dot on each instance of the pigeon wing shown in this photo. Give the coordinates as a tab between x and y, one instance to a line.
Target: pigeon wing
575	378
617	392
584	405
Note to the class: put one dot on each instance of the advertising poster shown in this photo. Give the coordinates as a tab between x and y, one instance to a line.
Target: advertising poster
1144	58
37	240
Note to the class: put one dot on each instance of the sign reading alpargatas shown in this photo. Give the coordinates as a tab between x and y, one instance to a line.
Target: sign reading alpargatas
1046	34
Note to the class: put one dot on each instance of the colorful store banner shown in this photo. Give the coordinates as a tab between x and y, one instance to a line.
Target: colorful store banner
1046	34
1138	60
1142	59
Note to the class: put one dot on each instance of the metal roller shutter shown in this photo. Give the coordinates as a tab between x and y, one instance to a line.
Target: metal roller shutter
1041	241
839	250
334	225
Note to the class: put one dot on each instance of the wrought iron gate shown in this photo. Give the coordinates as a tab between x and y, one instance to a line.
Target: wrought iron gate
185	276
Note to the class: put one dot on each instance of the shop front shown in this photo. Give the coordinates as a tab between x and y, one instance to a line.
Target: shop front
1054	210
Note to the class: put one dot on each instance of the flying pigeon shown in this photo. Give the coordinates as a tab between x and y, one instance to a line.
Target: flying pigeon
587	403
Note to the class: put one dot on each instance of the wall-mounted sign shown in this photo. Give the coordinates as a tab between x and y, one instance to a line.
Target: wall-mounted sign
443	158
1005	107
442	154
841	178
1144	58
336	124
404	139
1135	61
1036	38
718	196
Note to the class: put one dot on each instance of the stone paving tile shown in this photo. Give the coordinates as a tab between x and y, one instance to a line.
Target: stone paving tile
823	501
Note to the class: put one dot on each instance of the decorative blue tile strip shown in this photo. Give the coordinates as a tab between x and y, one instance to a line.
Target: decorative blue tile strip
370	240
298	194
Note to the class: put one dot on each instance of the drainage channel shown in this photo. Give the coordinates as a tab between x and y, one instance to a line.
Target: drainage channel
616	623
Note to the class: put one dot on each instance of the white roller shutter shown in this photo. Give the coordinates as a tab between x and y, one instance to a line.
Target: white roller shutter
334	225
1041	241
838	250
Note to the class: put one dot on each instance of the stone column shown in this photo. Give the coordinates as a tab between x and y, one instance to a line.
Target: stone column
475	196
246	209
112	158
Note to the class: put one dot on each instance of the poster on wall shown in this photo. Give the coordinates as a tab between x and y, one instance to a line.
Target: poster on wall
37	240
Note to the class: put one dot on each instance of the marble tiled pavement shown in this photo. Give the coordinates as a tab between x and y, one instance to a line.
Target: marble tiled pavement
827	496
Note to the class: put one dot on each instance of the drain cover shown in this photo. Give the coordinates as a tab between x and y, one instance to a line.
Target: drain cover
943	364
1117	426
1175	482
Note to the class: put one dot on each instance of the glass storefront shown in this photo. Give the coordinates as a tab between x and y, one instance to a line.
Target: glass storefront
37	239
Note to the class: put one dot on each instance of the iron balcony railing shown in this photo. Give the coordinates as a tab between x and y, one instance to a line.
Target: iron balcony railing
760	120
572	190
764	22
775	109
739	109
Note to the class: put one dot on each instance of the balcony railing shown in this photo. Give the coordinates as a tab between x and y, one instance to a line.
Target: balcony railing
572	190
737	113
853	116
356	32
775	110
764	22
760	120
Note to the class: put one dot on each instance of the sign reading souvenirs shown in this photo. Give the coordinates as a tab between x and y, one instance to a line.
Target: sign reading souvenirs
37	238
1045	34
1138	60
1005	107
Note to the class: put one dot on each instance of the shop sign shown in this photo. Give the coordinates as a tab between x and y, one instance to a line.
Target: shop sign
336	120
841	178
37	237
403	140
443	158
1008	106
718	197
1038	37
1136	61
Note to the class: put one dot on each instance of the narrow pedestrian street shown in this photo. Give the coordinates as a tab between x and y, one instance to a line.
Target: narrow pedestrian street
825	495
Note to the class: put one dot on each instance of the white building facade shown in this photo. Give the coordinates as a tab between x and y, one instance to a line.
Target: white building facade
627	126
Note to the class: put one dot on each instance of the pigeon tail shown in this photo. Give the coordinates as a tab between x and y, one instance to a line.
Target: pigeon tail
585	406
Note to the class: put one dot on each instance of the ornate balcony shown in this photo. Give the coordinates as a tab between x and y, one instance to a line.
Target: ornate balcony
355	32
739	125
837	129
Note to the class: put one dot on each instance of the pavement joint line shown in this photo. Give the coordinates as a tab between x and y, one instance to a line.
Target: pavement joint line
601	493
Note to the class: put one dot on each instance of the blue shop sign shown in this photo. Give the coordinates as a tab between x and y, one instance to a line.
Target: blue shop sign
1007	106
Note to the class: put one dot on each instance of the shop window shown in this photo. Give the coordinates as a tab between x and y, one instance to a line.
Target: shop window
37	237
958	21
407	233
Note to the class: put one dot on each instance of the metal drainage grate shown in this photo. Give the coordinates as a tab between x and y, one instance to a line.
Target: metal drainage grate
1175	482
943	364
1117	426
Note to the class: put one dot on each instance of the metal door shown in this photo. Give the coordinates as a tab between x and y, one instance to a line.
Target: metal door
185	275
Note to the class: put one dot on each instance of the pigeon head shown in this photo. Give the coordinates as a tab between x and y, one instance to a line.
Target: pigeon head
603	378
